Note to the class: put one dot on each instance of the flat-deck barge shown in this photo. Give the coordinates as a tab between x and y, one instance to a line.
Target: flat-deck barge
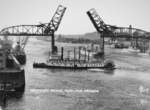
63	64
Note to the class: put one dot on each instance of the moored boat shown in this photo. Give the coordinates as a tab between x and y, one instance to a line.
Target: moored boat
12	75
20	56
18	51
62	64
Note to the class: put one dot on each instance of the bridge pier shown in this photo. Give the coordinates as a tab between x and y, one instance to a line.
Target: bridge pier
102	46
53	47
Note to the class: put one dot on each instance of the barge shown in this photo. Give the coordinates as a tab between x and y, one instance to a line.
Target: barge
59	62
62	64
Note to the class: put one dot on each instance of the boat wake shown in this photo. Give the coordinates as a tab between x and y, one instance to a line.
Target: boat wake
133	69
96	70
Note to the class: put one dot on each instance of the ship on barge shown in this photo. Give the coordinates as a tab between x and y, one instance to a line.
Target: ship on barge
59	62
77	65
12	75
19	52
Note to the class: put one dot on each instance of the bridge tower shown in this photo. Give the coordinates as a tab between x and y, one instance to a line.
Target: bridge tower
99	25
44	29
53	26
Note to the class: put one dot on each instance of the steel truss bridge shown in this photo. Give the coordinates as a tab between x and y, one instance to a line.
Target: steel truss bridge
48	29
105	30
44	29
25	30
115	31
38	30
127	32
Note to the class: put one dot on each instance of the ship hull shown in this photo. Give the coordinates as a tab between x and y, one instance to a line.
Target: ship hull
43	65
21	58
12	80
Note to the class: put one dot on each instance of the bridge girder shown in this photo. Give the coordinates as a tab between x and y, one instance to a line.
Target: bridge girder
24	30
46	29
115	31
38	30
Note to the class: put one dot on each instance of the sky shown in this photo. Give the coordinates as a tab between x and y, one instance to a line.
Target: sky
75	21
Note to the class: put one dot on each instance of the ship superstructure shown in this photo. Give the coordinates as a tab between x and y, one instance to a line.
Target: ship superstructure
19	52
12	75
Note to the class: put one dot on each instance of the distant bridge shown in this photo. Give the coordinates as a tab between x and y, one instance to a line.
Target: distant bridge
127	32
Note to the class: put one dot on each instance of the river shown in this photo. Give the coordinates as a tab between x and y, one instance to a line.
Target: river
126	88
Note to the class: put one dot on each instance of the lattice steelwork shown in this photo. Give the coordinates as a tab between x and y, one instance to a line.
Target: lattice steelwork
100	26
114	31
55	21
46	29
97	21
24	30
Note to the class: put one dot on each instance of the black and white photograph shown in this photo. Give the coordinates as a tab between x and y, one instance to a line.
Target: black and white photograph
74	55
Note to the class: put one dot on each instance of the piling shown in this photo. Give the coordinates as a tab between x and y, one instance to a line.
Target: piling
79	53
62	53
85	54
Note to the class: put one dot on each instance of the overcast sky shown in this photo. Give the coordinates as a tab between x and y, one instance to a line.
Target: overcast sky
75	20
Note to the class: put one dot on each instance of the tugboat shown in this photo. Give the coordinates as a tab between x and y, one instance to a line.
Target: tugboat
12	75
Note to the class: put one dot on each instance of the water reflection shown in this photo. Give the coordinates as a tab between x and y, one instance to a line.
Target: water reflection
110	72
105	71
9	96
80	79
